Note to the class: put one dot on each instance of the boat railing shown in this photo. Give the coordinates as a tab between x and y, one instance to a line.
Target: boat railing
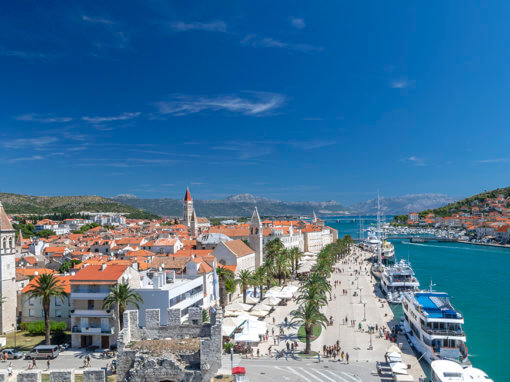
444	332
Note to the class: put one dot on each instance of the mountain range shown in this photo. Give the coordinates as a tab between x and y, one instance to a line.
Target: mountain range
42	205
235	205
240	205
397	205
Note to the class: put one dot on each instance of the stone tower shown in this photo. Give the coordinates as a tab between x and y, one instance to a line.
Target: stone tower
187	208
194	224
7	273
314	218
256	238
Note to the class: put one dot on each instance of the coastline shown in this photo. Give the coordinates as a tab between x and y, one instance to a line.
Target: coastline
484	244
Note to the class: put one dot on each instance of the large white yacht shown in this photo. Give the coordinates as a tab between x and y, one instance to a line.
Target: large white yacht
434	327
398	279
450	371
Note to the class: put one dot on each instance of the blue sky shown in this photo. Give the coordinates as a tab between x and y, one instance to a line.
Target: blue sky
295	100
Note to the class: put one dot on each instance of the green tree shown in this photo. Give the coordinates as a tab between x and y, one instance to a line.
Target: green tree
295	255
244	280
119	297
44	287
45	233
282	264
309	315
224	274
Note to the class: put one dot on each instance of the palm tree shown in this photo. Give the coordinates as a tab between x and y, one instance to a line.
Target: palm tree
309	315
244	280
44	287
282	266
224	274
119	297
295	255
274	248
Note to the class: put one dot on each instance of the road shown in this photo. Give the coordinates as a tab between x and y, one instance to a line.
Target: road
305	370
66	360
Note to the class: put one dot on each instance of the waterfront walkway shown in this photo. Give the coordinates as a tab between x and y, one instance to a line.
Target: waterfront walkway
362	304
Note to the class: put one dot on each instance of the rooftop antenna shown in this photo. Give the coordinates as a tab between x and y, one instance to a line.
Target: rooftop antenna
431	286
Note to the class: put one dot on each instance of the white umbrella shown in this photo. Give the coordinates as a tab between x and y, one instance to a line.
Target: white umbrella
262	306
259	313
252	300
238	306
271	301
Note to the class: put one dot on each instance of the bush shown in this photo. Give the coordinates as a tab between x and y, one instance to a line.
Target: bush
23	325
37	327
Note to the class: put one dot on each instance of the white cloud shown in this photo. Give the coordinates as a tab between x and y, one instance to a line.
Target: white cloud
43	119
28	142
497	160
25	159
25	54
297	22
97	20
121	117
401	83
417	161
269	42
257	104
212	26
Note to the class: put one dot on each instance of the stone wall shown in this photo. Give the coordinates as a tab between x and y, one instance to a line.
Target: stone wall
133	365
89	375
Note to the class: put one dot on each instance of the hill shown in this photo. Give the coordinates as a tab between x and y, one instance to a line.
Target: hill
452	208
235	205
41	205
397	205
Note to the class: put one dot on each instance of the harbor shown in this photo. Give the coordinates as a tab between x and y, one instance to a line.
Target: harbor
450	267
362	321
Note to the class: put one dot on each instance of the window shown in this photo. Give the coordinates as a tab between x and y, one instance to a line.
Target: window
58	302
31	301
31	313
58	313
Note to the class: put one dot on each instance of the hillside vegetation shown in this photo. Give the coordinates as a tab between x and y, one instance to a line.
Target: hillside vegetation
42	205
467	203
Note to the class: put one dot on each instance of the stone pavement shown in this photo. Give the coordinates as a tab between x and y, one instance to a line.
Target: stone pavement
363	303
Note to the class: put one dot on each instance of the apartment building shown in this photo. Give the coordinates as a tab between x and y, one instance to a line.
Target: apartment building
91	324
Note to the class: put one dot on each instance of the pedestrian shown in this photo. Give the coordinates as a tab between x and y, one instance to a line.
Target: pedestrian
48	363
272	332
347	357
258	352
9	370
319	357
288	346
34	364
273	321
342	354
88	360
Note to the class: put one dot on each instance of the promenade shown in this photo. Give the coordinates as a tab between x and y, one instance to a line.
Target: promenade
362	305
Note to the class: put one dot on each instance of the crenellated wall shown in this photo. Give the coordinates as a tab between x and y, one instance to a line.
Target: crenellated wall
133	365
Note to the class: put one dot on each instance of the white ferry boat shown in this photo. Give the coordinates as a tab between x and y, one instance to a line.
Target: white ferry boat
434	327
398	279
387	253
449	371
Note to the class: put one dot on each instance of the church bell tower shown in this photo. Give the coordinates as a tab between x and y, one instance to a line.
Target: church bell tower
7	273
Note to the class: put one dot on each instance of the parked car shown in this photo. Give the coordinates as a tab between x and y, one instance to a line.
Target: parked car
12	353
43	352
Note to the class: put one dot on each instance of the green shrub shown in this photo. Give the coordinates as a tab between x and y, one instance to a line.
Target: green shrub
23	325
38	328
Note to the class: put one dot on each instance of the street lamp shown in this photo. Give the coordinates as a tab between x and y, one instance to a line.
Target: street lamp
14	327
364	311
370	332
360	289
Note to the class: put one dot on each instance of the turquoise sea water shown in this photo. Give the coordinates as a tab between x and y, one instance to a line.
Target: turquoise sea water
477	279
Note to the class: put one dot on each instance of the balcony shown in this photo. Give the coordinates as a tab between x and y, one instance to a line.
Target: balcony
92	330
91	313
88	295
443	332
